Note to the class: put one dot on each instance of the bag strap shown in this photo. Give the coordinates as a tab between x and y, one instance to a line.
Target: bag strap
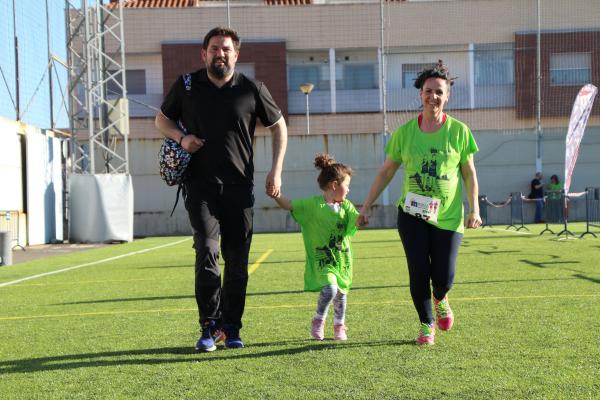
179	189
187	82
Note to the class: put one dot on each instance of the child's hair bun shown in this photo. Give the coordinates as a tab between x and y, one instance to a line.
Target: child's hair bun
323	160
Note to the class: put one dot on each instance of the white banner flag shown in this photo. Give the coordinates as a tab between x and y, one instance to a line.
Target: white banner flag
579	117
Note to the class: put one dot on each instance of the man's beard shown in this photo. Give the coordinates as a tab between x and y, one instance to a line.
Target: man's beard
219	71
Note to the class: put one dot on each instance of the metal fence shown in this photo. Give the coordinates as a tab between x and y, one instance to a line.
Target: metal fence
516	211
592	210
9	222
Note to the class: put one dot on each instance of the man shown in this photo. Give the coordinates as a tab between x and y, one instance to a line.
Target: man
537	193
219	111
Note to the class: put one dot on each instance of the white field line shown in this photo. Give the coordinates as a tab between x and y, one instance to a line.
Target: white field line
104	260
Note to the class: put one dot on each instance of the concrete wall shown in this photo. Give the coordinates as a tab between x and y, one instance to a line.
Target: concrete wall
505	164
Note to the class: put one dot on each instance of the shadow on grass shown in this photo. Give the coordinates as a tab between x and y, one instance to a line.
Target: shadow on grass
512	280
587	278
359	242
168	266
153	298
182	355
285	292
495	237
492	252
544	264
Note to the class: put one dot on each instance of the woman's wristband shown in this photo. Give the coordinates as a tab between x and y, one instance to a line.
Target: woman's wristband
180	140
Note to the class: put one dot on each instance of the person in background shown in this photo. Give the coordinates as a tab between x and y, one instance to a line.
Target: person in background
437	153
554	187
537	194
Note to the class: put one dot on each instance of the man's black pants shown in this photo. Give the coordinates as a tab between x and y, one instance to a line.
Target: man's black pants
225	212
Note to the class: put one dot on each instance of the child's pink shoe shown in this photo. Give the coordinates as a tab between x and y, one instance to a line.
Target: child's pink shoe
426	334
339	332
443	314
318	329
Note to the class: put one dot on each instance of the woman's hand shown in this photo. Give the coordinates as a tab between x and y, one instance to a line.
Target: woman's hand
473	220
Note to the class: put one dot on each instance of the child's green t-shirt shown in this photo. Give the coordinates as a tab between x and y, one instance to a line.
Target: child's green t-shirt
432	164
326	235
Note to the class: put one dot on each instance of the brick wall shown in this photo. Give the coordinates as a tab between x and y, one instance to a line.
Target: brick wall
556	100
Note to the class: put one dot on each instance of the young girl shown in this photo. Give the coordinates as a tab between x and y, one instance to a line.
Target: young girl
327	221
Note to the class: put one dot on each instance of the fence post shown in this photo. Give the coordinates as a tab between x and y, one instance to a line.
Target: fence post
483	211
592	210
516	211
553	210
5	248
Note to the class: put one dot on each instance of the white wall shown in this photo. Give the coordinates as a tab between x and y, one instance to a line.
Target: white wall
11	169
44	188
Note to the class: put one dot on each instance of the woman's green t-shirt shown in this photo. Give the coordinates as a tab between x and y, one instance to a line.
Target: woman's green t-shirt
432	164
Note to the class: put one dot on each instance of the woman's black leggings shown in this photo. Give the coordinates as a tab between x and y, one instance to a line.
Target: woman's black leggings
431	255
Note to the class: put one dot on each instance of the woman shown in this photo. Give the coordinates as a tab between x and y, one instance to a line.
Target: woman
553	188
436	150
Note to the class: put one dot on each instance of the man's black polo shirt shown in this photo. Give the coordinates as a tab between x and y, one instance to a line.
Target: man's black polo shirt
226	118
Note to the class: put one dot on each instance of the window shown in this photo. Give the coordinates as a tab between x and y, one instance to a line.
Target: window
410	73
494	64
356	77
316	74
570	68
246	69
136	83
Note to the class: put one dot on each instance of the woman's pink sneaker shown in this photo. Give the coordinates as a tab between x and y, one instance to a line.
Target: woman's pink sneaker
443	314
318	329
339	332
426	334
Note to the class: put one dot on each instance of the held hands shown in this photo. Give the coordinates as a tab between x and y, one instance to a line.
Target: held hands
363	218
273	185
473	220
191	143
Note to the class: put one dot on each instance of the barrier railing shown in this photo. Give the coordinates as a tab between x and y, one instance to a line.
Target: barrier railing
9	221
484	203
592	210
555	211
516	211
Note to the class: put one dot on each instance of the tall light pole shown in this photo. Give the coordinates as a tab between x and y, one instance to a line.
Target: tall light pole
306	88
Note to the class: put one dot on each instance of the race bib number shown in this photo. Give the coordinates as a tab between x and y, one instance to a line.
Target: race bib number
423	207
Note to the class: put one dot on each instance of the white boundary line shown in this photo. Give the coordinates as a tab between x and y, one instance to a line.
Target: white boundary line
92	263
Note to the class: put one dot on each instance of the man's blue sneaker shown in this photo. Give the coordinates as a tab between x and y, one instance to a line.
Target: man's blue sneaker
232	339
206	342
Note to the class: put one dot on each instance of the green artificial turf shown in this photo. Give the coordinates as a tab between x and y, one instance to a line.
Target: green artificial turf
527	313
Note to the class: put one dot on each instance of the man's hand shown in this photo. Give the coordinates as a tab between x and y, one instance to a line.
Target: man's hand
191	143
363	218
273	184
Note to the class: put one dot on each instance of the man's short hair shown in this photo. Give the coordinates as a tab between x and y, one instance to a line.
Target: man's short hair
222	31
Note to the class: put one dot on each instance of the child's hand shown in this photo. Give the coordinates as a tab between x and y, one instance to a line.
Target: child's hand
283	201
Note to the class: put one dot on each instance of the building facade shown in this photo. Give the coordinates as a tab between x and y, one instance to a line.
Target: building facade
490	45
